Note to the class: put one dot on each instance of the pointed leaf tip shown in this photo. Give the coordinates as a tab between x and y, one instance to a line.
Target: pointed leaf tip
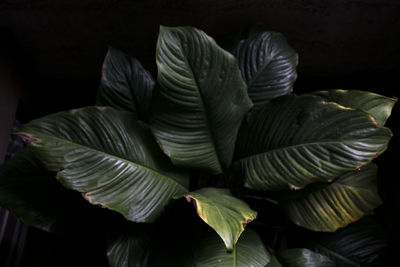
227	215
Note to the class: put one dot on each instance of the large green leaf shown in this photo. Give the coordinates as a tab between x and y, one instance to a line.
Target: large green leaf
301	257
125	84
249	251
198	108
226	214
359	244
268	65
293	141
379	106
32	194
110	158
335	205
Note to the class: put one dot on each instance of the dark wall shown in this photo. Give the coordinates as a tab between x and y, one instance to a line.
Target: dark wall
69	38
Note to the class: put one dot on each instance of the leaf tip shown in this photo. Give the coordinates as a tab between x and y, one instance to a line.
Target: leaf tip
28	139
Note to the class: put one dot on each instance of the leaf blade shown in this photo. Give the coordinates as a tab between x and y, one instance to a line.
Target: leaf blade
344	201
226	214
201	100
294	141
379	106
113	161
268	66
249	251
301	257
125	84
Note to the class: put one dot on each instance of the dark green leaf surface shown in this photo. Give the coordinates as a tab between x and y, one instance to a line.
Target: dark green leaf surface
128	247
359	244
344	201
33	194
377	105
249	251
201	100
294	141
268	65
226	214
301	257
125	84
110	158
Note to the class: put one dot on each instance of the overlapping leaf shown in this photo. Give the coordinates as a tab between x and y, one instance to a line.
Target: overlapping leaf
249	251
110	158
301	257
32	194
344	201
359	244
125	84
197	111
226	214
129	247
268	65
377	105
294	141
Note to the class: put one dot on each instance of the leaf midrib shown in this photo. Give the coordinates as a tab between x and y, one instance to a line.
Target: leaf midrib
209	128
303	144
168	179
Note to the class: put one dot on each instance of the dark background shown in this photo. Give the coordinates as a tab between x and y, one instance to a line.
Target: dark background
59	47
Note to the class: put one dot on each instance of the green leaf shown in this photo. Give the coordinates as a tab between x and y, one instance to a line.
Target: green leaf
379	106
198	108
268	65
249	251
128	247
110	158
359	244
301	257
33	194
344	201
294	141
226	214
125	84
274	262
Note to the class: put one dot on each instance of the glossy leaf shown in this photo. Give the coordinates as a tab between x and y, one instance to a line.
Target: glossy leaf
268	65
344	201
359	244
301	257
226	214
33	194
198	108
110	158
294	141
249	251
125	84
379	106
